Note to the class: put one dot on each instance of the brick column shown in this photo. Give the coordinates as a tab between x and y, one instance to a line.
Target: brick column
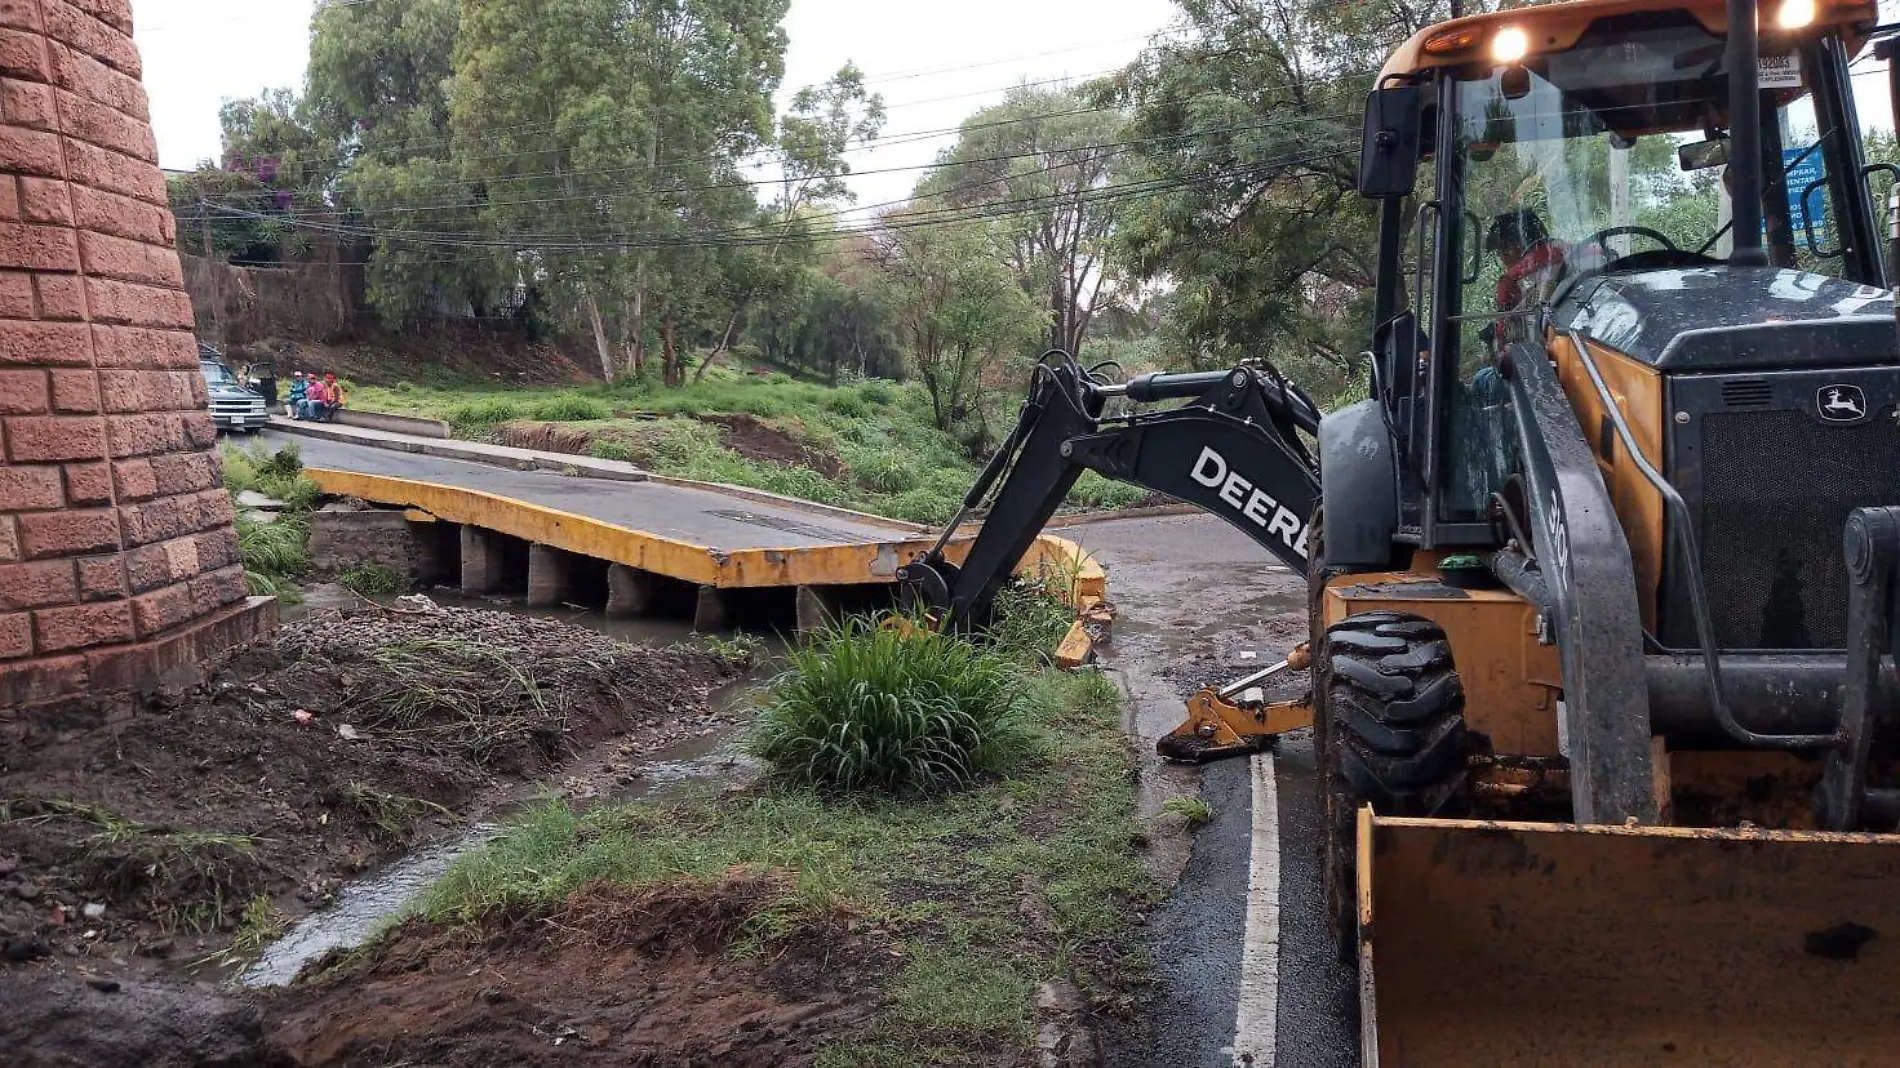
118	559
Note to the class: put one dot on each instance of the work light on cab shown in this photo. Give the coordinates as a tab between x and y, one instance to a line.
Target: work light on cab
1795	14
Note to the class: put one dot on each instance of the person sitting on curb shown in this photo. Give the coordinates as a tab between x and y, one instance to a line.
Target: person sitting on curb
299	391
313	397
332	399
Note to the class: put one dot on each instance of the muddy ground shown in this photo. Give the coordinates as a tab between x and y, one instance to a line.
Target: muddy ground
607	978
154	841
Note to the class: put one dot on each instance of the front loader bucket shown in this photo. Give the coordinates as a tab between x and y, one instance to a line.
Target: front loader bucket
1539	944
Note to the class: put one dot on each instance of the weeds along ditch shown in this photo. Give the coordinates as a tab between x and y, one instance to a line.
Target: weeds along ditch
274	546
949	825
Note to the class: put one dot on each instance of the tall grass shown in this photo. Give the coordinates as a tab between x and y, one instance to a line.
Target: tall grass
896	709
275	554
895	461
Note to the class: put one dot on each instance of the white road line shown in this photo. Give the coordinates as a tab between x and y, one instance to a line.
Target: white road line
1260	955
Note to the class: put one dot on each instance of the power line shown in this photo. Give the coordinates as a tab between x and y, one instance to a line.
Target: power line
651	190
894	223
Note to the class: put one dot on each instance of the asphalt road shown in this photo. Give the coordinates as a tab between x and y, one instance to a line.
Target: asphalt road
1198	602
678	512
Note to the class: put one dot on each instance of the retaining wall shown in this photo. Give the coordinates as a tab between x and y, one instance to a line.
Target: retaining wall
118	560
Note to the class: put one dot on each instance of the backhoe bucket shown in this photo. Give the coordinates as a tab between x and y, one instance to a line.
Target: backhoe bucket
1539	944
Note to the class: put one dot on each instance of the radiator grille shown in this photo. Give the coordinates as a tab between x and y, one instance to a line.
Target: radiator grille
1776	488
1748	393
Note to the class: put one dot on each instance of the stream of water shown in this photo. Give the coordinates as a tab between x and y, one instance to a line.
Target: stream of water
367	905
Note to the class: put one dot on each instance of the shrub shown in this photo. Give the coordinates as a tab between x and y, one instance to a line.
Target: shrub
570	410
848	404
866	707
481	415
611	449
1094	491
886	472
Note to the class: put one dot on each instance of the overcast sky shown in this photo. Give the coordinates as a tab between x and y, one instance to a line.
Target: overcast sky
904	49
933	64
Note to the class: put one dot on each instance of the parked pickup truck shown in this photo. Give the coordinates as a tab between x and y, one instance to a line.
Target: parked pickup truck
233	407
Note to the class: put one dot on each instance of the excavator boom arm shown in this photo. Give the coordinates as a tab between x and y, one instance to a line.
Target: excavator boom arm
1234	450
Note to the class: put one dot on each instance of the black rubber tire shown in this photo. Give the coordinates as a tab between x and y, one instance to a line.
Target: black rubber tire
1391	724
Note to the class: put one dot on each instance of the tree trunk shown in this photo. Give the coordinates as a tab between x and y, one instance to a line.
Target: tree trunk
725	342
600	337
669	354
637	345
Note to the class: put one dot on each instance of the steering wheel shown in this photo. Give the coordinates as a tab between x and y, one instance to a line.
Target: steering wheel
1640	231
1667	256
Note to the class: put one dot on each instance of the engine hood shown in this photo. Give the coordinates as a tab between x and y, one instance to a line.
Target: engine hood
1724	318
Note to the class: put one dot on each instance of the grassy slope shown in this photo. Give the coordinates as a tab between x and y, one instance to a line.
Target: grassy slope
895	461
979	895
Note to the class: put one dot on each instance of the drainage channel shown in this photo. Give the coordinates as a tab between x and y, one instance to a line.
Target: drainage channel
368	905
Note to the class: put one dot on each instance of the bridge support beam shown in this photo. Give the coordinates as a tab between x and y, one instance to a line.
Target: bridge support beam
550	576
714	610
481	561
818	608
630	591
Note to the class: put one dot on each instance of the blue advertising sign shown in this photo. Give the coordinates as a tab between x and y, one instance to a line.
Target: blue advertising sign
1800	176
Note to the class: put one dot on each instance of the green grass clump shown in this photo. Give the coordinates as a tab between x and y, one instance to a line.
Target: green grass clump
374	580
895	709
1192	809
274	554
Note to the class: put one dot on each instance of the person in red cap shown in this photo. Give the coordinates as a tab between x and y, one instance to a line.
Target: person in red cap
332	398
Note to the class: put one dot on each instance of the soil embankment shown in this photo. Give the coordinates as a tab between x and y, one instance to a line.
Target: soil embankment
610	977
204	821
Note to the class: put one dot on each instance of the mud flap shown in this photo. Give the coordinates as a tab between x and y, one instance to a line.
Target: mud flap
1539	944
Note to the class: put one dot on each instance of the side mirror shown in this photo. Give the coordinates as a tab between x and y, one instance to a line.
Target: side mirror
1388	156
1701	155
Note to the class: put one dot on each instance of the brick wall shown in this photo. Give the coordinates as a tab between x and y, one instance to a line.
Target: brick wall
116	544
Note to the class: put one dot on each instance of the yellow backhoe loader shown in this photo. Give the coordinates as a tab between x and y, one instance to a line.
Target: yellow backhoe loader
1603	592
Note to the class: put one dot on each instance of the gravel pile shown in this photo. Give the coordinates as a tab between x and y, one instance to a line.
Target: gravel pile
351	636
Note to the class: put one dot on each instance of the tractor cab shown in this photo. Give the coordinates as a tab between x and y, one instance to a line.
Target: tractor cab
1577	151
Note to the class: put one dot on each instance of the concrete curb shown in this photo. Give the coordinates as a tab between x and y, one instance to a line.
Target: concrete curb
466	451
1151	512
394	424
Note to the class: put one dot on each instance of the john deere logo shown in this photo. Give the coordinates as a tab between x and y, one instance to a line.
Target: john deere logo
1841	404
